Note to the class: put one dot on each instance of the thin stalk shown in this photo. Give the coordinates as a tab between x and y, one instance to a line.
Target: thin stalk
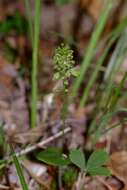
103	122
80	181
64	110
113	126
116	96
35	62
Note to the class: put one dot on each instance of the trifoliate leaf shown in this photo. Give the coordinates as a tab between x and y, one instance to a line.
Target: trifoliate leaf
78	158
53	156
97	159
100	171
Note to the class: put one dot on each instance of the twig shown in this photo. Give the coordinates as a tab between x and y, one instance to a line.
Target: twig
4	187
100	179
42	143
80	181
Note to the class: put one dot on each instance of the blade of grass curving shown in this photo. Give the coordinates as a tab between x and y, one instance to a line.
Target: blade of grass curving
115	62
108	86
120	28
110	108
35	62
112	38
112	66
124	121
91	48
28	12
19	170
103	122
116	96
97	69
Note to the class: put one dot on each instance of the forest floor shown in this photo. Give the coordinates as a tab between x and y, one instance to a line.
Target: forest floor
71	21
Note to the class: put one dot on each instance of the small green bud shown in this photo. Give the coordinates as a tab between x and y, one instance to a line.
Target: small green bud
56	76
74	72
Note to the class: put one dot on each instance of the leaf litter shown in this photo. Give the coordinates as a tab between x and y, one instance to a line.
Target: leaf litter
14	105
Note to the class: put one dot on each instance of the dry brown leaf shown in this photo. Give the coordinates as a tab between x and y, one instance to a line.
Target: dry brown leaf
118	165
30	136
93	7
37	172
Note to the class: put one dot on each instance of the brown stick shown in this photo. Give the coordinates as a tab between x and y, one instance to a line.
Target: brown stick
42	143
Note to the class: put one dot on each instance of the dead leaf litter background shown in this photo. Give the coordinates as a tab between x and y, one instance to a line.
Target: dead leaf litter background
76	21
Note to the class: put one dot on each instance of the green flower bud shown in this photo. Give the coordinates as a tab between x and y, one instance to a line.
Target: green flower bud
63	64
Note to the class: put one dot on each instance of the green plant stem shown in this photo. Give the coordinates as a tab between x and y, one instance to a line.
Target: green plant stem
103	122
35	62
60	171
64	109
113	126
80	180
117	93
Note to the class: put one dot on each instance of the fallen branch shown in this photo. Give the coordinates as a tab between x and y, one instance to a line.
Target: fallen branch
42	143
4	187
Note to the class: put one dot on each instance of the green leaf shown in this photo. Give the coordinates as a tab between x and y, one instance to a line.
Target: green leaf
13	22
100	171
78	158
97	159
53	156
19	171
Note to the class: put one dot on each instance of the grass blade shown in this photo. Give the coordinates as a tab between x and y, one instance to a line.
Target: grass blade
101	128
111	39
114	66
19	170
91	48
35	62
116	96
